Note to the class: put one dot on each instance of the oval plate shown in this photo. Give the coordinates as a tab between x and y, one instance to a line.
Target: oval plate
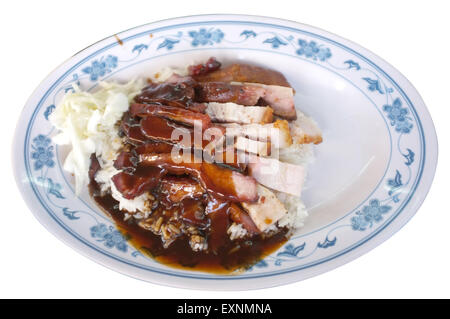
371	173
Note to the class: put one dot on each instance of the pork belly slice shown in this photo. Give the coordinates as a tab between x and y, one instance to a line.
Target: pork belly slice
267	210
277	133
280	99
261	148
235	113
225	92
270	172
216	180
227	156
176	114
240	72
305	130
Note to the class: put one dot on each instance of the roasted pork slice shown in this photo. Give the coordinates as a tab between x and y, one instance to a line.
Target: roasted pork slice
152	148
141	180
169	135
225	92
305	130
175	94
235	113
176	114
270	172
240	72
130	128
261	148
280	99
216	180
160	129
125	161
175	189
226	156
267	210
277	133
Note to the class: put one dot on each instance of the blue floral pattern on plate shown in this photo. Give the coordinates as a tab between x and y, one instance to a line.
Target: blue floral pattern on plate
369	215
398	116
109	236
312	50
42	153
99	68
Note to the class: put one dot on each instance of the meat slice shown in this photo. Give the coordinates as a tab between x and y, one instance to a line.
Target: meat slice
280	99
177	189
143	179
125	161
176	114
235	113
305	130
94	167
226	156
225	92
202	69
270	172
261	148
267	210
153	147
159	129
175	94
130	128
216	180
240	72
277	133
173	137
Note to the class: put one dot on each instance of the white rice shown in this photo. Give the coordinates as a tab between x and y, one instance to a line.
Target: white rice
297	213
236	231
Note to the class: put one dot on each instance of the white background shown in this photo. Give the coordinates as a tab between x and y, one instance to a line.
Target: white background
36	36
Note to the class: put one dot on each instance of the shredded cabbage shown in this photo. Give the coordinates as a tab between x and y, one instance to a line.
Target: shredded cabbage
87	121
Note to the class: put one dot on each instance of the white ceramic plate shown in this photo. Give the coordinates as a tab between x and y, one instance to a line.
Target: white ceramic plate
371	174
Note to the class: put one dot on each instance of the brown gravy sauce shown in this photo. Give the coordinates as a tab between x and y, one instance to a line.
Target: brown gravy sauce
232	256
